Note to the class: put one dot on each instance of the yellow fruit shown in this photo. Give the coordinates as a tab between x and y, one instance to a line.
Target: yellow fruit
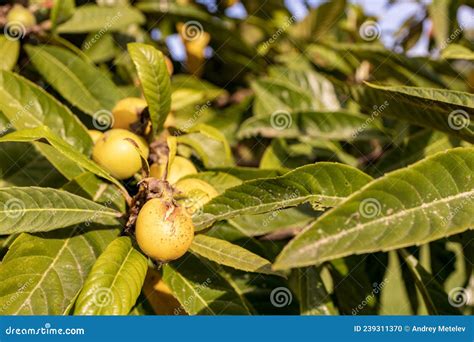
194	194
95	135
118	155
180	168
20	15
169	66
127	111
160	296
164	232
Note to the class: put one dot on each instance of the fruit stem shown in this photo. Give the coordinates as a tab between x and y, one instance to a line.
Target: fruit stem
126	195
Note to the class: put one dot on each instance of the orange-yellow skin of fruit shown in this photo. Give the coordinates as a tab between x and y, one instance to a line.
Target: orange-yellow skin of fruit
169	66
21	15
118	155
127	111
164	232
194	193
95	135
180	168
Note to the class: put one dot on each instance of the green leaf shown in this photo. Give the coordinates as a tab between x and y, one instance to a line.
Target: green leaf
311	292
445	110
418	204
392	68
285	154
419	145
275	95
115	281
26	105
89	186
228	254
322	184
155	81
62	10
329	58
320	21
33	209
249	173
205	292
67	167
57	40
210	145
10	51
357	282
434	296
189	91
302	74
66	150
100	48
22	165
92	18
456	51
281	219
79	82
320	125
443	17
42	275
397	296
219	180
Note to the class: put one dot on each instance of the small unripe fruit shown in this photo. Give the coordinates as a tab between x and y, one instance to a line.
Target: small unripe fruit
194	194
127	111
180	168
164	231
117	154
95	135
21	15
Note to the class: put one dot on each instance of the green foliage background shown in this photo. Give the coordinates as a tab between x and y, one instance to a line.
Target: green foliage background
344	169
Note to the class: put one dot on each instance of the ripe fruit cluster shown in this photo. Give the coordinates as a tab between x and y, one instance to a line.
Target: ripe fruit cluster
164	229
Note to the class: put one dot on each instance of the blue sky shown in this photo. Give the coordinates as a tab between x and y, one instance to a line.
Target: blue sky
390	18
